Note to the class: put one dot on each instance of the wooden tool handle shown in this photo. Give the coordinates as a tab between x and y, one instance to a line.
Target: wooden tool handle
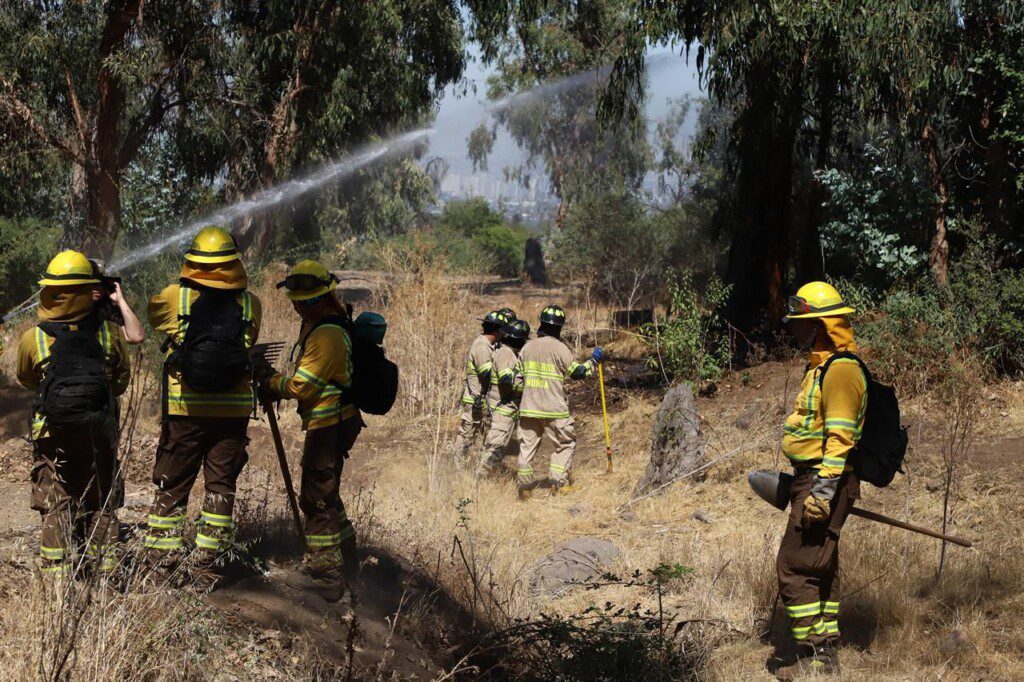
872	516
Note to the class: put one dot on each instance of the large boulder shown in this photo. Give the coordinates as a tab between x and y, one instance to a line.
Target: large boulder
572	561
677	446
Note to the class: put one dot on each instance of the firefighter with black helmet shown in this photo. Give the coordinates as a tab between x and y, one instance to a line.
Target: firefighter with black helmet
544	365
474	417
500	440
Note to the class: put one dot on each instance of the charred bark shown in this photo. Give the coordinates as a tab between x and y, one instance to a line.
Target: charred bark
938	253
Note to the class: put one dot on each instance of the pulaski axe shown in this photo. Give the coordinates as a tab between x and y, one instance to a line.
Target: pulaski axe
773	487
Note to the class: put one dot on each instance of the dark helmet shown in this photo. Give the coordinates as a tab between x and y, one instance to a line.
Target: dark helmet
553	315
495	319
510	314
517	331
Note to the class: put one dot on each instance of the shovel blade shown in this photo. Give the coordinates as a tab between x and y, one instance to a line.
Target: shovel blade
771	486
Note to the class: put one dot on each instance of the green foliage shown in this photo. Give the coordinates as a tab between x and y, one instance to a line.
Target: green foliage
692	343
920	334
878	217
26	246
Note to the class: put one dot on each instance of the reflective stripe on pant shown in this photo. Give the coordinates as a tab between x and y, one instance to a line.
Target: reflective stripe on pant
561	433
472	422
500	440
76	490
808	562
187	444
328	528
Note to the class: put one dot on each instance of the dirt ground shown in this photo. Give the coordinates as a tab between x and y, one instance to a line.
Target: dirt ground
412	508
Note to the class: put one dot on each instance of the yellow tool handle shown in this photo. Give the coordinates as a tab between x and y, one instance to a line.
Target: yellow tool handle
604	412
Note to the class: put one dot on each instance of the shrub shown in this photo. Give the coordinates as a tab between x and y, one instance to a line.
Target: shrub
692	343
26	246
503	247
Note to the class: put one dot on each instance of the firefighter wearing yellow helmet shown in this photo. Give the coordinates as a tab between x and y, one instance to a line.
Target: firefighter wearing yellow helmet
209	321
818	437
318	383
74	432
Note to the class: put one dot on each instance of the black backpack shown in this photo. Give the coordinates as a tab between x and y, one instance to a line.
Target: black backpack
212	355
75	390
374	385
879	453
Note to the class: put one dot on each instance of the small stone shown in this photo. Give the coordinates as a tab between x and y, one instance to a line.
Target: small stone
572	562
747	416
933	485
581	509
702	516
628	515
954	643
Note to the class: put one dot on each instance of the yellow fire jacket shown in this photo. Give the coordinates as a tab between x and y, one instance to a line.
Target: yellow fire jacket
479	361
34	349
828	417
325	364
544	364
503	373
164	310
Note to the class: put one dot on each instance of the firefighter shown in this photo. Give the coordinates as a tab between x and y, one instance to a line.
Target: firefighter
544	365
78	364
473	420
209	321
818	436
322	374
503	398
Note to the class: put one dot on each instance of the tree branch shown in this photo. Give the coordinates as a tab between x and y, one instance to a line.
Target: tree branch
20	111
76	107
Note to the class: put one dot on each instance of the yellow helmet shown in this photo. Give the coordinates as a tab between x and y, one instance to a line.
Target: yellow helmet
308	279
816	299
69	268
212	245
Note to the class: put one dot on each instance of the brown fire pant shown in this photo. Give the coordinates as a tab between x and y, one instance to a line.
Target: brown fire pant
473	421
500	441
330	537
77	490
561	432
808	562
187	444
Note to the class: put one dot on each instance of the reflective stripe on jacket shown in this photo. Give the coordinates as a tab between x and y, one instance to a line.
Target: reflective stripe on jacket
34	349
478	362
503	371
827	420
544	365
164	314
325	364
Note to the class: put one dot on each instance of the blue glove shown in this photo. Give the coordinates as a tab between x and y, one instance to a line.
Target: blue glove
598	355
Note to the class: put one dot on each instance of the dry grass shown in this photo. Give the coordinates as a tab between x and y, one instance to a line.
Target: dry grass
479	543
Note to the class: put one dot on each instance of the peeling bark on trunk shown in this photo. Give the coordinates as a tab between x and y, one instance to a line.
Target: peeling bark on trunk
938	255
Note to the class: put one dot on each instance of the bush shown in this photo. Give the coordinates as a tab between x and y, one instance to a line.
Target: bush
26	246
503	247
692	343
918	334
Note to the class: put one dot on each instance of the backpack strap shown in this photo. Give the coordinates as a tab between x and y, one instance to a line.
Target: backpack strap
840	355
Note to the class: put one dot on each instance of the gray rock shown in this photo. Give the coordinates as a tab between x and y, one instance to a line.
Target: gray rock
581	509
628	515
572	561
702	516
748	415
677	446
954	643
933	485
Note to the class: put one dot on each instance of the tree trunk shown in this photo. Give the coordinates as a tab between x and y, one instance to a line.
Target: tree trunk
811	265
938	255
758	252
103	165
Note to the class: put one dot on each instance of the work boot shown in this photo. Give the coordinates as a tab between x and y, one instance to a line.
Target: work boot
566	488
811	661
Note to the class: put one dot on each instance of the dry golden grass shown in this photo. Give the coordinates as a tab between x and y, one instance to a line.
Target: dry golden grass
405	496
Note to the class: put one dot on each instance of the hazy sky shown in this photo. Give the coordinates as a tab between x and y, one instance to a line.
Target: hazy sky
460	112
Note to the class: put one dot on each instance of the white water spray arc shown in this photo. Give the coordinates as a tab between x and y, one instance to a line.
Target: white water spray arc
268	198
